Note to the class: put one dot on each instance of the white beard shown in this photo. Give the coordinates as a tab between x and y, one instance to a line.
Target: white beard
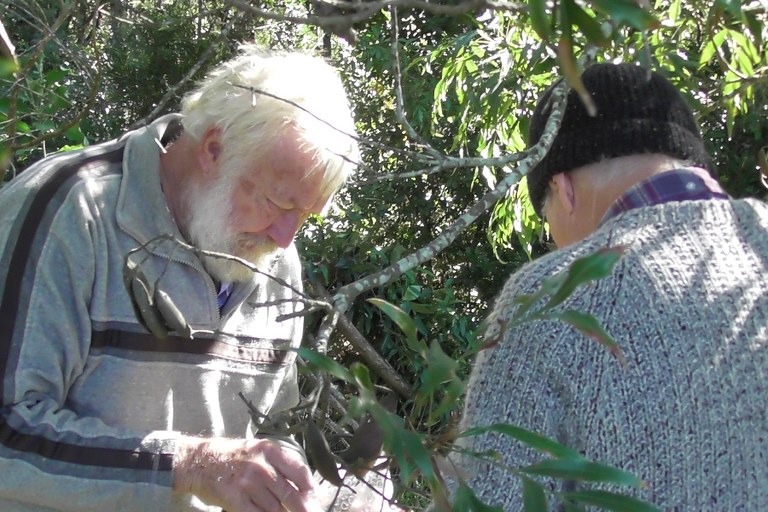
210	229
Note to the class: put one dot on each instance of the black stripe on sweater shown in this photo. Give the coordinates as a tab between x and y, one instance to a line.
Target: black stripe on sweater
144	342
21	244
29	227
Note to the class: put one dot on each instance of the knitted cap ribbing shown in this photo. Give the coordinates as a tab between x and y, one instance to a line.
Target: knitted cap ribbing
635	114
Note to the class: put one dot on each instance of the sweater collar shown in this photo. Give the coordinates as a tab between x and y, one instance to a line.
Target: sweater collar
142	209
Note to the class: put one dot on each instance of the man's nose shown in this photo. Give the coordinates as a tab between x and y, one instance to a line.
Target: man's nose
284	228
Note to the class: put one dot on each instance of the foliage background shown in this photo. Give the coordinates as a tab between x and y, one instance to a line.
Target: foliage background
464	77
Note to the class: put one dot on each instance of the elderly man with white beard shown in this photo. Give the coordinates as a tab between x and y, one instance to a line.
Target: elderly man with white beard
99	412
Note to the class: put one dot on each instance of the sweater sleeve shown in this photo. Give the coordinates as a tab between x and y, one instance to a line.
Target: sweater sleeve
51	457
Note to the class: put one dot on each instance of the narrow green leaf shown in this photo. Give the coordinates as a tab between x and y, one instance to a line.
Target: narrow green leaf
628	12
325	363
440	368
534	499
589	326
610	501
466	501
585	269
583	470
674	10
732	6
405	322
363	380
537	10
711	47
418	452
588	25
532	439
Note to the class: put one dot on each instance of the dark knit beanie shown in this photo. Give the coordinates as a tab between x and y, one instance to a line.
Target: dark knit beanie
635	114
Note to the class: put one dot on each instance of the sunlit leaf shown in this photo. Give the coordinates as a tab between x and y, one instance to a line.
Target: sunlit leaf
532	439
589	326
711	47
567	60
583	470
586	269
610	501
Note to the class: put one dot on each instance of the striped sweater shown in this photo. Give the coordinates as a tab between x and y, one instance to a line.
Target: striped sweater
688	304
91	403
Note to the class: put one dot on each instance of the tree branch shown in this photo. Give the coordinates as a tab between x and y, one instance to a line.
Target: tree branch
360	11
347	294
372	358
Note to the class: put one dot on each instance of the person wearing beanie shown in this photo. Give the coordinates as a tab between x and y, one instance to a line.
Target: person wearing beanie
687	303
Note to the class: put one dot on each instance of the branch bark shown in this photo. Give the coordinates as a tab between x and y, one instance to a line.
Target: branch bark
345	295
371	357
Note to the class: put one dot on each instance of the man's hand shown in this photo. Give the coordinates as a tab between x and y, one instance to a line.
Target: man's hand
254	475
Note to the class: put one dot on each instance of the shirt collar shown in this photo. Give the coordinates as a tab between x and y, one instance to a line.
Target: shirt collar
685	184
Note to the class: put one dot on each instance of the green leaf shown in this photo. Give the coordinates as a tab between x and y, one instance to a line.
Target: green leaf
55	75
610	501
628	12
363	381
74	134
405	322
22	127
440	369
534	499
583	470
325	363
450	401
711	47
732	6
589	326
585	22
532	439
7	67
467	501
537	10
585	269
412	292
674	10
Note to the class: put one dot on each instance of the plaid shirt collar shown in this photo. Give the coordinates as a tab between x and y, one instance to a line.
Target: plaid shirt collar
688	184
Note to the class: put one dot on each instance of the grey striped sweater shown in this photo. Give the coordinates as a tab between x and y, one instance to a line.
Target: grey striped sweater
91	403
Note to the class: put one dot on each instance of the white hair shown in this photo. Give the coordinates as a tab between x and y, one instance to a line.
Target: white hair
258	95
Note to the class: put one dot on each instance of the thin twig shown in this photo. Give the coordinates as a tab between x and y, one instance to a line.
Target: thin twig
400	106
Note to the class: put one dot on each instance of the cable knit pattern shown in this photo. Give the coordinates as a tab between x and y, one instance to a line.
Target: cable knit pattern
688	304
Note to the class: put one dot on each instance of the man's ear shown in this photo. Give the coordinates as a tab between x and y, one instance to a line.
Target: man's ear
209	151
563	191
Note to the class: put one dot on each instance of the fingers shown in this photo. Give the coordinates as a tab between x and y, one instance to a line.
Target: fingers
246	476
291	466
292	500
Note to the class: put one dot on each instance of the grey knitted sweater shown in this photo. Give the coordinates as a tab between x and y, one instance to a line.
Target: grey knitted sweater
688	303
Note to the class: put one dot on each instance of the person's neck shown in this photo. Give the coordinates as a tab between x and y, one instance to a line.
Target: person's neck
602	183
175	163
